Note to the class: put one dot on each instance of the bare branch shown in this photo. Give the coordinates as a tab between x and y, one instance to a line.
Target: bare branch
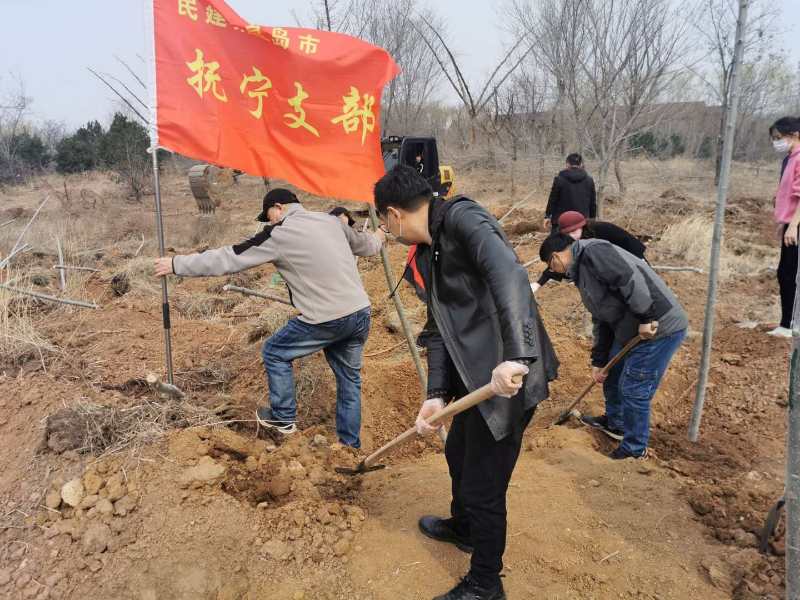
131	71
127	89
123	98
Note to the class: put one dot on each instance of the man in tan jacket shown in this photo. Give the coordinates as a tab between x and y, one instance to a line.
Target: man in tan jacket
315	254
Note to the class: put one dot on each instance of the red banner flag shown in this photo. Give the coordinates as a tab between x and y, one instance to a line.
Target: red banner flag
296	104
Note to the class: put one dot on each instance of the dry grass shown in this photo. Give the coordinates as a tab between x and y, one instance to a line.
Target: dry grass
267	324
139	273
689	240
96	429
204	307
19	337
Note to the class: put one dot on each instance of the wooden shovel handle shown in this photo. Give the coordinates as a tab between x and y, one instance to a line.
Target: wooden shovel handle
621	354
617	357
452	409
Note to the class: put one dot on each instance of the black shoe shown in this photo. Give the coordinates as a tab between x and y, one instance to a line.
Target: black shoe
265	419
440	530
620	454
469	590
601	423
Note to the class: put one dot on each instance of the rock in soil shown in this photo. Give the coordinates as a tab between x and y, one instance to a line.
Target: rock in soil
319	441
89	502
104	506
124	505
207	470
116	487
72	492
53	499
92	483
96	539
231	442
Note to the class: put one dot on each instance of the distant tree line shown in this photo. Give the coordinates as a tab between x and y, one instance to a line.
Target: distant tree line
121	149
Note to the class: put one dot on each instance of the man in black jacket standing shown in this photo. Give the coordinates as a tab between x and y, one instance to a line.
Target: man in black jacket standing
483	325
573	189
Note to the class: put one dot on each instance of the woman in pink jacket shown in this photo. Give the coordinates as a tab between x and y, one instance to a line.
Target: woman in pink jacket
785	134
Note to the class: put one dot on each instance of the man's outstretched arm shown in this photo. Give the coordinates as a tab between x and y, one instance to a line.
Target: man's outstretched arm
255	251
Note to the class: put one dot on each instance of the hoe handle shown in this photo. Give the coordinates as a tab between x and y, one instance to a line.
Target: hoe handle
452	409
610	365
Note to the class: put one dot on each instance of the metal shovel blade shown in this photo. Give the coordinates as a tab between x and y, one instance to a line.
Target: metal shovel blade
564	417
361	468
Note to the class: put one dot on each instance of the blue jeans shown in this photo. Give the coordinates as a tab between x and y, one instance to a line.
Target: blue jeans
343	341
631	385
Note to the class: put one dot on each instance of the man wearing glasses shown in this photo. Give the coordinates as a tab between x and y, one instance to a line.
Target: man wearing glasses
483	325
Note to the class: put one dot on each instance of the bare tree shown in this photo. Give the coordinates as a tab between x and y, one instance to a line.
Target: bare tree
52	132
14	108
611	60
717	31
515	116
764	88
474	99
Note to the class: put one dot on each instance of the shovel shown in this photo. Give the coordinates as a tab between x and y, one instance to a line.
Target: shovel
564	416
452	409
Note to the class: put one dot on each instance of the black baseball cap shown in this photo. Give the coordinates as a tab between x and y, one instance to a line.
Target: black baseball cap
273	197
341	210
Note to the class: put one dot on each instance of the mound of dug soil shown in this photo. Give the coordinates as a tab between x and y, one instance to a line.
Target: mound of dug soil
308	509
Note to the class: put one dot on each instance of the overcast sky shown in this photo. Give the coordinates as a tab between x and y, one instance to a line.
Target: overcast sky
49	44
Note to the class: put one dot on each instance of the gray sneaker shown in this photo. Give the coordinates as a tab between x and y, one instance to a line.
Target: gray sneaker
265	418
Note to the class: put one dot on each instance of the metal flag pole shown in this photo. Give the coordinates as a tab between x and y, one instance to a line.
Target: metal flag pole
719	222
157	192
161	253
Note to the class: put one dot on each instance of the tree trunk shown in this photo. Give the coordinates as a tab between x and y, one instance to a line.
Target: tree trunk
618	174
718	153
602	178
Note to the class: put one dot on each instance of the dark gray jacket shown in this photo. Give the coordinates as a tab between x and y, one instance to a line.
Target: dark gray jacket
621	292
480	312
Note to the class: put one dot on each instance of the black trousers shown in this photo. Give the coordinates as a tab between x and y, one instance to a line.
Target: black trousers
787	273
480	469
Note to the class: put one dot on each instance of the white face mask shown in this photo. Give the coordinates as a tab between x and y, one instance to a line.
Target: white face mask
781	145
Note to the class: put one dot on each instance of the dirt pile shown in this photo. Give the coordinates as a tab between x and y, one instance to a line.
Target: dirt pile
307	511
80	524
209	512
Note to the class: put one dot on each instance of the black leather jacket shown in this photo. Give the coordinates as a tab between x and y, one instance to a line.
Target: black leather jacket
480	312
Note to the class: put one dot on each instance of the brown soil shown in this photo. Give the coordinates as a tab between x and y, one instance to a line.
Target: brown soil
200	505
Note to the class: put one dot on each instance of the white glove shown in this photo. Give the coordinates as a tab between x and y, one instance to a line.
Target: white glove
503	383
428	408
